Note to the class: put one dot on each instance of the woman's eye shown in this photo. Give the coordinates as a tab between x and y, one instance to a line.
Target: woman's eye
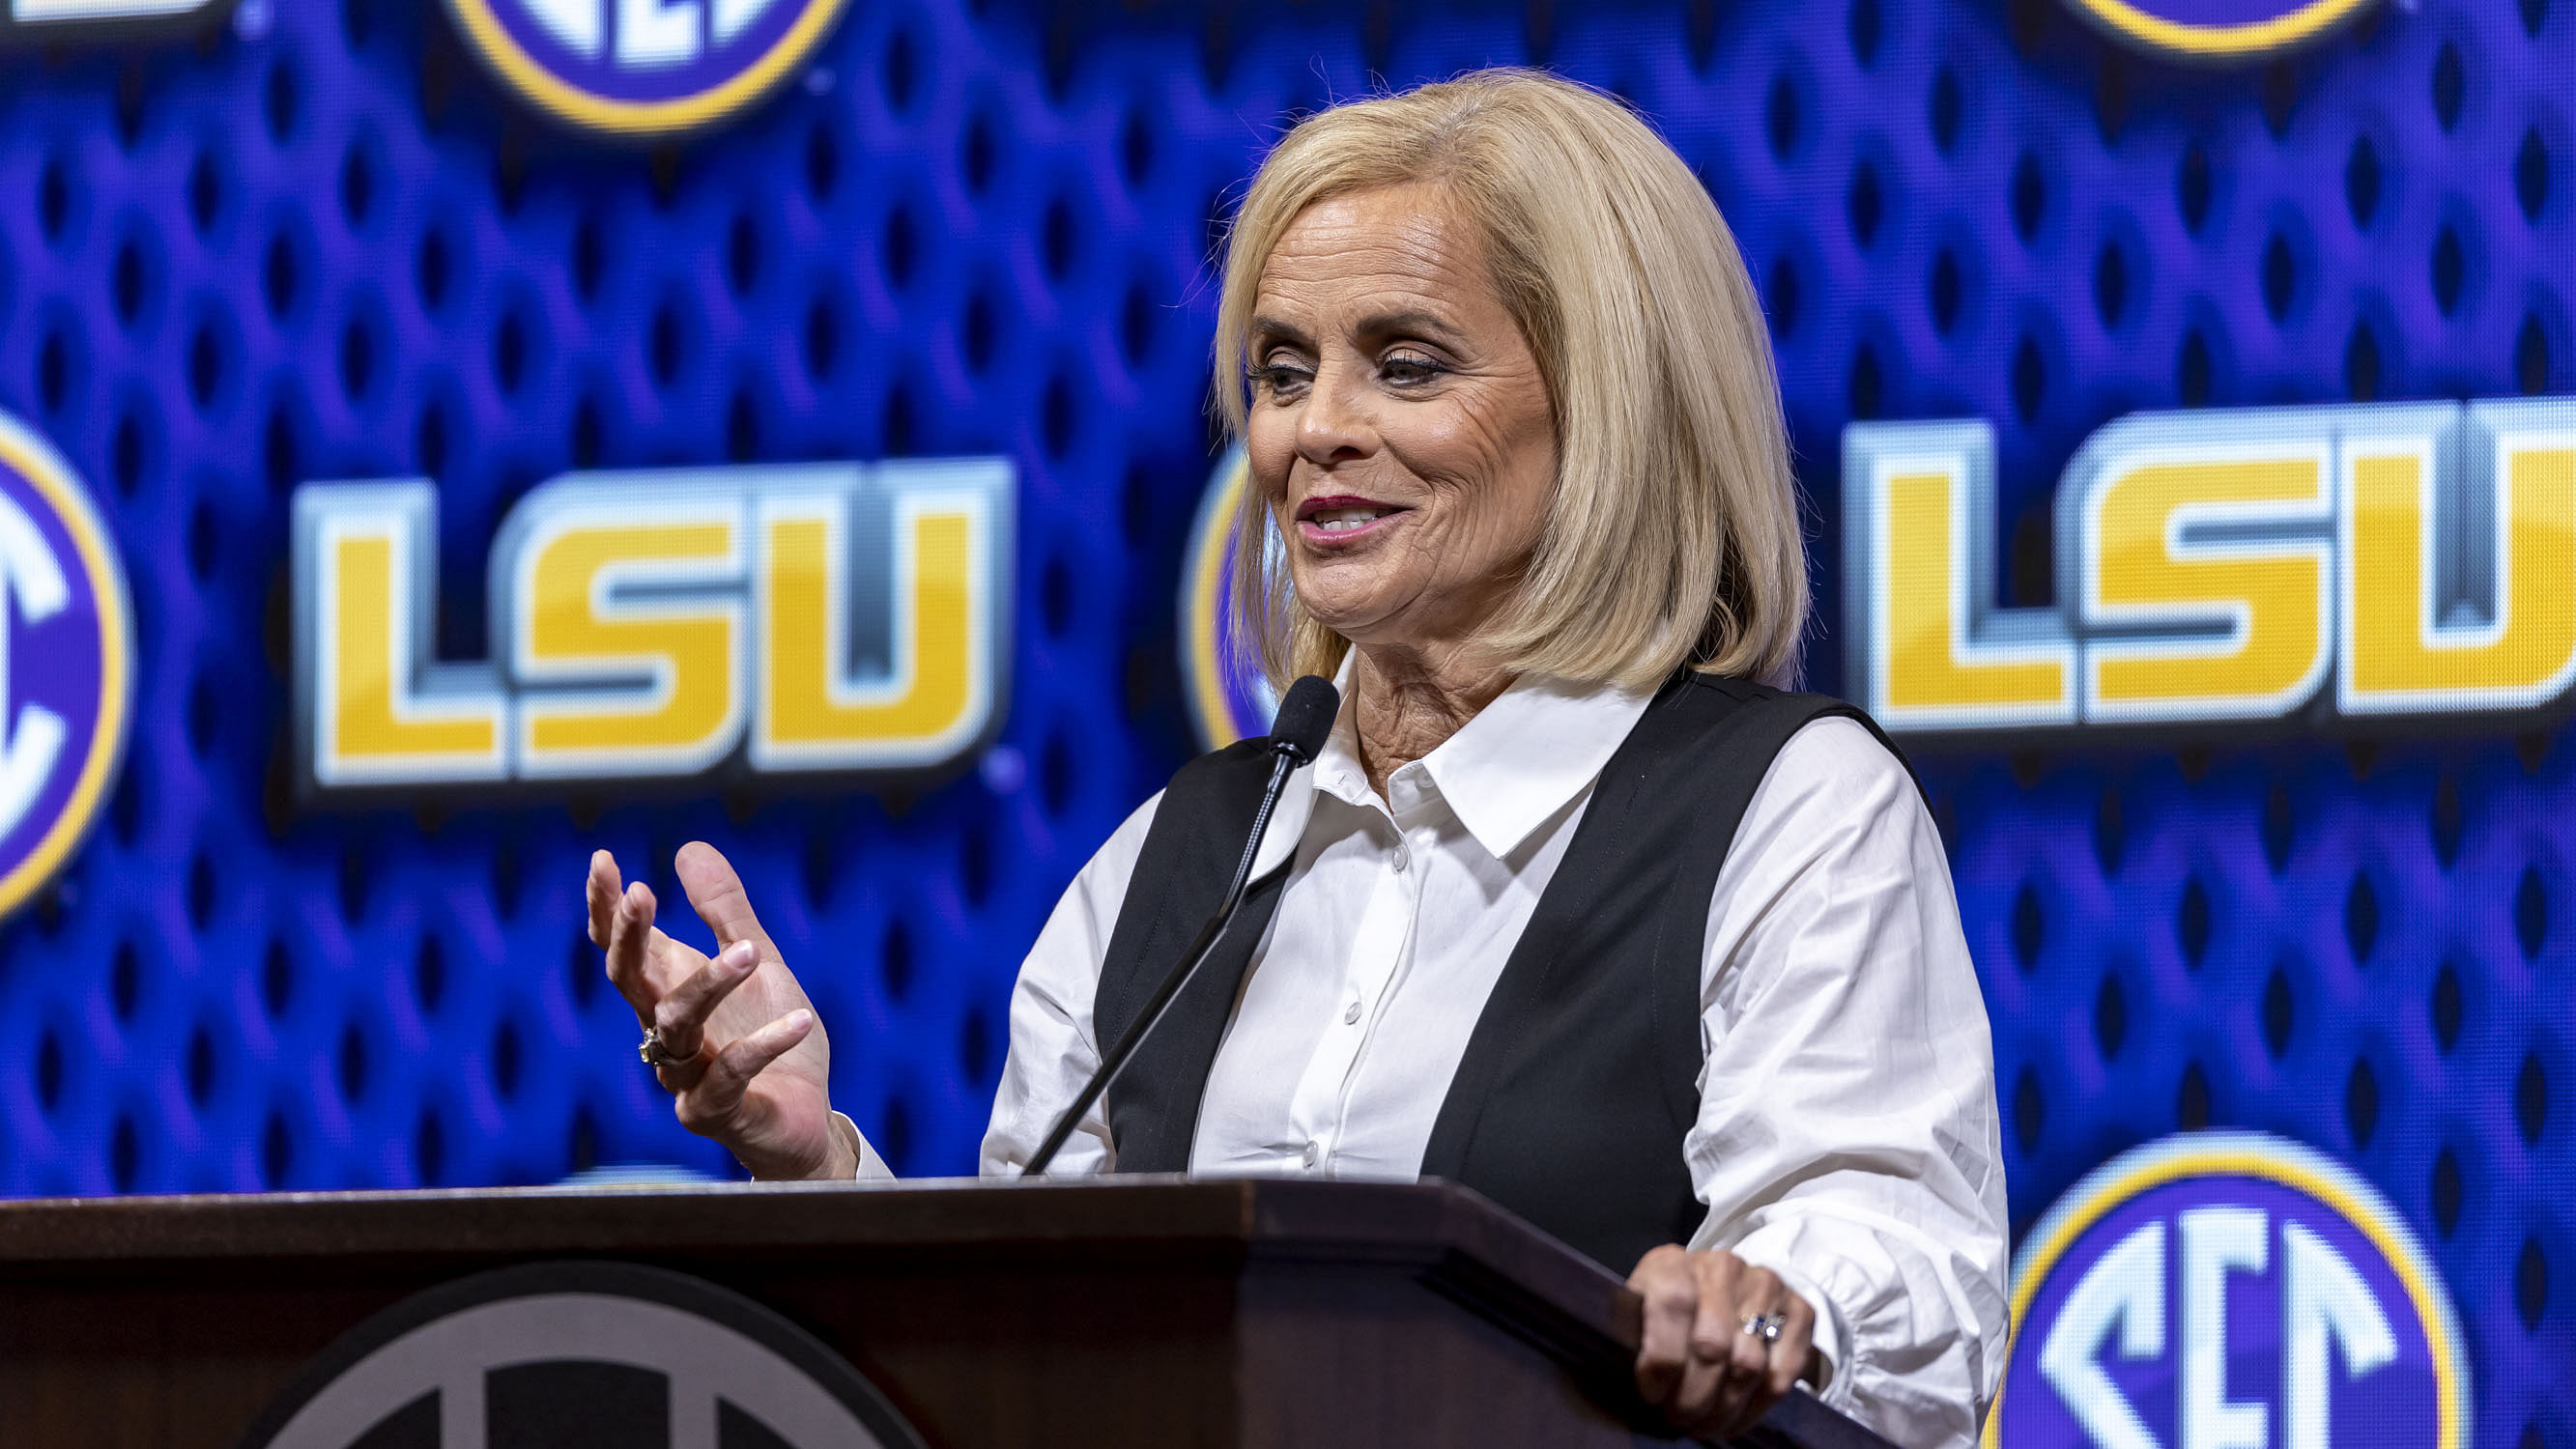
1278	379
1404	370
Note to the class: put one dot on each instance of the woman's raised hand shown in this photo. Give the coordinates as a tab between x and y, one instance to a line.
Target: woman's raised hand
746	1061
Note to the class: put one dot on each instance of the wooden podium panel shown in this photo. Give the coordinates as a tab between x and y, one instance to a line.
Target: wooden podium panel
1133	1311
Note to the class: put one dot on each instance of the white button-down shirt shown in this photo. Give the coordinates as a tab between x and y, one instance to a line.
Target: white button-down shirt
1847	1136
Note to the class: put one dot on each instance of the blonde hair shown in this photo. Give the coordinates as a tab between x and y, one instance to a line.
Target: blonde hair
1674	535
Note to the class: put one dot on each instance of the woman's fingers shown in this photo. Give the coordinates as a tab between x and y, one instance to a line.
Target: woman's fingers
1712	1386
1695	1358
630	933
1763	1367
715	889
1665	1282
601	891
1741	1359
681	1015
1789	1356
706	1108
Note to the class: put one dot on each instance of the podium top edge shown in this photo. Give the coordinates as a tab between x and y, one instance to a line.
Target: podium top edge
1424	1224
1433	1230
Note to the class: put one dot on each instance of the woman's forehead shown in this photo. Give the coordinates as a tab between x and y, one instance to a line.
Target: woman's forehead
1387	250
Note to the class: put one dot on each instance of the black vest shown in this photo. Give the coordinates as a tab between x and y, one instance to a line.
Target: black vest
1579	1080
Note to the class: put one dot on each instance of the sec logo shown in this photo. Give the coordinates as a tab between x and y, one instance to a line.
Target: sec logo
66	663
580	1356
1230	698
645	69
2228	1291
2218	29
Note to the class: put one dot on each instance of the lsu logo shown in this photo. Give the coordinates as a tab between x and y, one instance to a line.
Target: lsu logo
1230	698
2218	29
66	663
2223	566
645	69
2228	1291
810	617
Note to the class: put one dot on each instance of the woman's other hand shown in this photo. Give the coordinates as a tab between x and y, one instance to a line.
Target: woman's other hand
747	1062
1699	1362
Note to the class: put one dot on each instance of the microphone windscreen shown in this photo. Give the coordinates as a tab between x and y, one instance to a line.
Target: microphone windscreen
1305	717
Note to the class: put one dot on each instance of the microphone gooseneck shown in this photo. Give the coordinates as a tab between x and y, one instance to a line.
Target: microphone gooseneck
1297	735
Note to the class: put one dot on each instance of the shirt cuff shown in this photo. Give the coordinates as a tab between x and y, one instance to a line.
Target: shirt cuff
872	1168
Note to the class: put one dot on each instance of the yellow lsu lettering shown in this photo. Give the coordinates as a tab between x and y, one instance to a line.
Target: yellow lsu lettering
1943	658
2220	566
2415	640
811	711
822	617
2231	629
377	710
666	699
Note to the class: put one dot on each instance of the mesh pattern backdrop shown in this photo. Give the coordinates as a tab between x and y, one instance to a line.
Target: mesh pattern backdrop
322	245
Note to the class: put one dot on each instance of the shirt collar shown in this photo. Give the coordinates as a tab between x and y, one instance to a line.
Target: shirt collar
1507	771
1526	756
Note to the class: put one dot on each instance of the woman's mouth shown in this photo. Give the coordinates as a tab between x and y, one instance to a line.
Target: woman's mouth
1342	519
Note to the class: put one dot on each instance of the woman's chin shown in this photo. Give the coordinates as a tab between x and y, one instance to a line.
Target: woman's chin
1360	628
1352	601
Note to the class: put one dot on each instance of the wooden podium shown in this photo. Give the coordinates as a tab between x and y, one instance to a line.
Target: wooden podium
1142	1311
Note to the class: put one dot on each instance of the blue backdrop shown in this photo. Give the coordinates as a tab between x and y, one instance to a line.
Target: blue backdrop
321	243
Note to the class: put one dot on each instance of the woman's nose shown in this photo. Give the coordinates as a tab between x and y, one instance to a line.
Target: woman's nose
1334	426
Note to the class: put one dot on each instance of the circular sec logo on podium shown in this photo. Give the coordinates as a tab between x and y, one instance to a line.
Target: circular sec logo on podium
66	663
645	69
580	1356
2228	1288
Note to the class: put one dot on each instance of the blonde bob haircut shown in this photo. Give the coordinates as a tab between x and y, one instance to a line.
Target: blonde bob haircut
1674	535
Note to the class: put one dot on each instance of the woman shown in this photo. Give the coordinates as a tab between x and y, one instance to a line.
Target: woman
1572	909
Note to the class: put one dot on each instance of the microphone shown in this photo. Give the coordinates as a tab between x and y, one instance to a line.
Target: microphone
1297	734
1299	729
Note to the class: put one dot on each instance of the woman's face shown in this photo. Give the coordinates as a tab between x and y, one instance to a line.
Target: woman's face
1400	430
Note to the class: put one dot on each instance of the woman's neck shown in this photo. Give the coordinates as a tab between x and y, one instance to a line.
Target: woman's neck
1406	702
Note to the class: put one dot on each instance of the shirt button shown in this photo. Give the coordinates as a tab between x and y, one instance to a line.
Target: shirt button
1403	858
1313	1152
1351	1014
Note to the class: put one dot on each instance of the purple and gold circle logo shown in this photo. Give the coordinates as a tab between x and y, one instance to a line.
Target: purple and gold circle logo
2218	29
645	69
2228	1289
66	663
1230	699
